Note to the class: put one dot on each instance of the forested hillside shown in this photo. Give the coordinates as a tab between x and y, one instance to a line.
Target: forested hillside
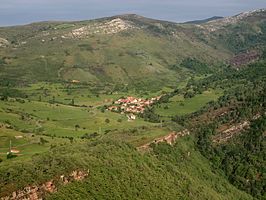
231	131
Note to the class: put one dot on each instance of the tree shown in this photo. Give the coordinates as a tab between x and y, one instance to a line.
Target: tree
71	139
72	102
5	95
43	141
10	155
103	108
77	127
53	101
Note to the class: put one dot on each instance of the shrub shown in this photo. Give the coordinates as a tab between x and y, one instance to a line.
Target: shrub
10	156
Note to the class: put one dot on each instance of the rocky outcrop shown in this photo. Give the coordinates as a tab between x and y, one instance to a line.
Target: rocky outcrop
108	27
38	192
169	139
230	132
3	42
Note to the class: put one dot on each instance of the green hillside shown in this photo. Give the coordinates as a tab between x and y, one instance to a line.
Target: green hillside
126	49
128	107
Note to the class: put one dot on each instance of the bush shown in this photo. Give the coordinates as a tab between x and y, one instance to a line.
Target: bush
77	127
43	141
89	136
10	156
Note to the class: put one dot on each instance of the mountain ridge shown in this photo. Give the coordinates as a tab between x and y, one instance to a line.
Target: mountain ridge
133	15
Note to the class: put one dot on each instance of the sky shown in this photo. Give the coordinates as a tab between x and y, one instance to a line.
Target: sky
15	12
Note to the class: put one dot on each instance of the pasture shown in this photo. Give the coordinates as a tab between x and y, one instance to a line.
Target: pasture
178	105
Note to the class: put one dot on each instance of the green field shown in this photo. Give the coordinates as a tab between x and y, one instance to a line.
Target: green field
58	121
26	144
180	106
54	120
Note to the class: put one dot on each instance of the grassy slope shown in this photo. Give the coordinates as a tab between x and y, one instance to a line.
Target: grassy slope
27	146
139	57
60	120
38	117
180	106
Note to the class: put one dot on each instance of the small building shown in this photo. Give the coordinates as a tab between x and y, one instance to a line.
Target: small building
14	151
75	81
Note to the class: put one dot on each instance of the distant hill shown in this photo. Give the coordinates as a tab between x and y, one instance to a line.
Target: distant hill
203	20
125	50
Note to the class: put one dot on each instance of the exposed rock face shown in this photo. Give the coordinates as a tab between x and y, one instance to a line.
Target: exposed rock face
170	139
230	132
38	192
28	193
78	175
107	27
49	187
3	42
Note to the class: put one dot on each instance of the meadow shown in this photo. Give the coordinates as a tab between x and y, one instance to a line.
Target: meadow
178	105
26	144
47	117
67	112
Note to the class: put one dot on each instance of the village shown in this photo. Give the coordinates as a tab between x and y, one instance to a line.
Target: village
132	106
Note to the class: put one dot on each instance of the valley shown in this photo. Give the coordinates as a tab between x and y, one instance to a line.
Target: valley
128	107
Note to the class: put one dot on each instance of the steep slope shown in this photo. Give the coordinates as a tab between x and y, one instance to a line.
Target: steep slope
118	171
231	131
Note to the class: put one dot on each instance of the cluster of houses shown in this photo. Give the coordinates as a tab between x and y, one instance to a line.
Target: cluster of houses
131	105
